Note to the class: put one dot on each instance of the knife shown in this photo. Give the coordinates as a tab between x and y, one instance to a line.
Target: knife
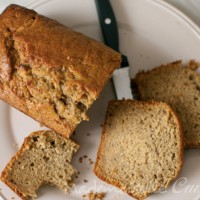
2	197
108	24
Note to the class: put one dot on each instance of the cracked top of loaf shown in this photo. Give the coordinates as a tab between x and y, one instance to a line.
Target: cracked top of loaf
49	71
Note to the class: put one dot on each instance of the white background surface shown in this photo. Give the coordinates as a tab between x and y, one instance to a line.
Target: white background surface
150	34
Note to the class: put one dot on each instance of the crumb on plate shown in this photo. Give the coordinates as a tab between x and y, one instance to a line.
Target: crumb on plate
80	159
96	195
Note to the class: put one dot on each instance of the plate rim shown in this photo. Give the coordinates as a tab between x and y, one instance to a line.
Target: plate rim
181	15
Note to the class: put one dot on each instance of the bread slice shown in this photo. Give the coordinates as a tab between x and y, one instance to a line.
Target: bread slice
50	72
141	148
179	86
44	158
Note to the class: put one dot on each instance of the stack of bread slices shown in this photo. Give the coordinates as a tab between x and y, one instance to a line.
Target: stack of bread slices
142	142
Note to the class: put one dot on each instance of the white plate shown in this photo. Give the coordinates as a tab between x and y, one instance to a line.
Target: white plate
151	33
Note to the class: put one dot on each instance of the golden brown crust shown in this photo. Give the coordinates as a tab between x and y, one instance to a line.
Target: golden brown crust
86	55
13	188
32	40
97	170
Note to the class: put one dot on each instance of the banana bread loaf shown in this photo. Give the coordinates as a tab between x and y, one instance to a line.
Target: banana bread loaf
48	71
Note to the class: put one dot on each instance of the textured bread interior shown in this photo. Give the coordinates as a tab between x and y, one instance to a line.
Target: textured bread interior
41	85
141	147
179	86
43	159
49	67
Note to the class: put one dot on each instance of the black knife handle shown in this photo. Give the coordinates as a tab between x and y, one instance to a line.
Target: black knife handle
109	27
108	23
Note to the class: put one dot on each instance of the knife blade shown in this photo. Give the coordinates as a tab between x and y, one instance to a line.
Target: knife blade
109	28
2	197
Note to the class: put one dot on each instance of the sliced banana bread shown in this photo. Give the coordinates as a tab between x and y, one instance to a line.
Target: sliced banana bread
50	72
141	148
179	86
44	158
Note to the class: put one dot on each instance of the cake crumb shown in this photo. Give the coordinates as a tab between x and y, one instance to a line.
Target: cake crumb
85	156
74	133
85	180
80	159
41	125
15	145
13	198
88	134
193	65
95	195
90	161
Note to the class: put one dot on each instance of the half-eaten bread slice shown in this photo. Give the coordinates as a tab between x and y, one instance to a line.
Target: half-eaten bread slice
44	158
